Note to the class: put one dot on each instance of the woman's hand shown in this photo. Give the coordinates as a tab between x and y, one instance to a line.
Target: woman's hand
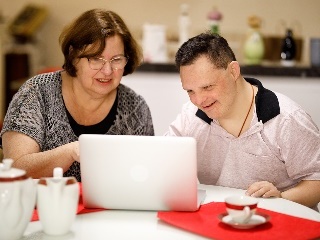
74	148
263	189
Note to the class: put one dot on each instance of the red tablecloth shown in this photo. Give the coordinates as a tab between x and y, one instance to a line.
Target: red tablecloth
205	222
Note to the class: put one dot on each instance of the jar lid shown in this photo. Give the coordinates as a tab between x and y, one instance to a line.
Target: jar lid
9	174
214	14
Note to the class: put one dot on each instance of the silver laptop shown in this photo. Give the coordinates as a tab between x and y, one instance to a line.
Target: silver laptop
139	172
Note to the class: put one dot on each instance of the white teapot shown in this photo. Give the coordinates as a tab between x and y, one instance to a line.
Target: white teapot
17	200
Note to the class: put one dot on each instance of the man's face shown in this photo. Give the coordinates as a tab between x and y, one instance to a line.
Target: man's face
212	90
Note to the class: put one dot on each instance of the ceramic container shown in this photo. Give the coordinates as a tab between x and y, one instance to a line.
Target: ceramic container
315	52
254	48
57	203
17	200
154	43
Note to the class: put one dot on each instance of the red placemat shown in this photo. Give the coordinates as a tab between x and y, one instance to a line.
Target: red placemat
205	222
81	208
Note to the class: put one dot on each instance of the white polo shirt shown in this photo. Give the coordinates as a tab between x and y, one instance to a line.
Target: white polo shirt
281	146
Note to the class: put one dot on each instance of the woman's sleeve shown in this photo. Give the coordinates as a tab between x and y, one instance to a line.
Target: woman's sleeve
24	113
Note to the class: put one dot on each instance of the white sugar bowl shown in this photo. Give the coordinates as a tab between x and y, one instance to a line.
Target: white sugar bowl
17	200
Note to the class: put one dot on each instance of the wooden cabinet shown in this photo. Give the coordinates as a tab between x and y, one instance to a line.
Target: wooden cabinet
17	70
2	92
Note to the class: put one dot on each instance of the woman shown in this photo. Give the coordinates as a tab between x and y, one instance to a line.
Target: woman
50	111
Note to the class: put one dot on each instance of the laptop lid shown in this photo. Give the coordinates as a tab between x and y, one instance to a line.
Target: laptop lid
139	172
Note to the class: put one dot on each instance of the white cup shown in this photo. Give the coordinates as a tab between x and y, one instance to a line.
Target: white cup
241	208
57	203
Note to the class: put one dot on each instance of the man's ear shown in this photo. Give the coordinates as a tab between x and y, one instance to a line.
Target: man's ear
234	69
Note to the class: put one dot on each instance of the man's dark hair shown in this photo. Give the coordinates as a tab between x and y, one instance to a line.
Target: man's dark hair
215	47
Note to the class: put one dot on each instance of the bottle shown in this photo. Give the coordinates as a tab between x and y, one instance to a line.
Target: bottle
184	23
254	44
288	49
214	17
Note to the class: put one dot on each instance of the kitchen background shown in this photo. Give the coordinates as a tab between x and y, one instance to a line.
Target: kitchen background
301	16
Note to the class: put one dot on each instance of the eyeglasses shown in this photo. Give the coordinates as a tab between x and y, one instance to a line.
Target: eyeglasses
117	63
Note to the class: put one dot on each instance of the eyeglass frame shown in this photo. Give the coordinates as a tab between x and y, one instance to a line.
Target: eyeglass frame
110	61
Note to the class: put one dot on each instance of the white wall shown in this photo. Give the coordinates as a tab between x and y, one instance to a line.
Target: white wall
305	91
164	94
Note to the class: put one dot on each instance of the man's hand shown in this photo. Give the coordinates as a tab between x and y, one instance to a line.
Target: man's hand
263	189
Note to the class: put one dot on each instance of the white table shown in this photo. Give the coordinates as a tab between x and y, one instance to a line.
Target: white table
115	224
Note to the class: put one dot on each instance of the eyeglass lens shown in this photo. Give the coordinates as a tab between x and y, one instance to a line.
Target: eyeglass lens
116	63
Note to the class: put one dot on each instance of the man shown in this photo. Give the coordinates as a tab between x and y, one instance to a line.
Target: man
247	136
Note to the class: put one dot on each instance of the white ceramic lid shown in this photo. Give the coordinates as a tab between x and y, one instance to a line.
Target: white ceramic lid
7	173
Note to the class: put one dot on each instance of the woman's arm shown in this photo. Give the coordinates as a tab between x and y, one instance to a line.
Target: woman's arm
27	155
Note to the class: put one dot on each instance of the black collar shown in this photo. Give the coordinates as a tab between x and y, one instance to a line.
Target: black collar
267	104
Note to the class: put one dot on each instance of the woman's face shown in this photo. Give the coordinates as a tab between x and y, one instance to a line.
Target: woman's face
102	82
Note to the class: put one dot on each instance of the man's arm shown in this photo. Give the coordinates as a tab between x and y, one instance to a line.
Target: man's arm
307	192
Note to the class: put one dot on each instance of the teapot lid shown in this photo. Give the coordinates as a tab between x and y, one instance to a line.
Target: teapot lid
9	174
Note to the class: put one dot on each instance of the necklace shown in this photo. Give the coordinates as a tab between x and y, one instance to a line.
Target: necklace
247	112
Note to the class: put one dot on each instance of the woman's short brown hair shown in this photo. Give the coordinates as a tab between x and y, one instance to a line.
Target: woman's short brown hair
85	37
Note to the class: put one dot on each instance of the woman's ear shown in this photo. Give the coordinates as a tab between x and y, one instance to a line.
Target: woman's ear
234	69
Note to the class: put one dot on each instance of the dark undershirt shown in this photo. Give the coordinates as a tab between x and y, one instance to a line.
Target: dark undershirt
99	128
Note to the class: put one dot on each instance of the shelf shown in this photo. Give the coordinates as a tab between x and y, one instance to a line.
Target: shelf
254	70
